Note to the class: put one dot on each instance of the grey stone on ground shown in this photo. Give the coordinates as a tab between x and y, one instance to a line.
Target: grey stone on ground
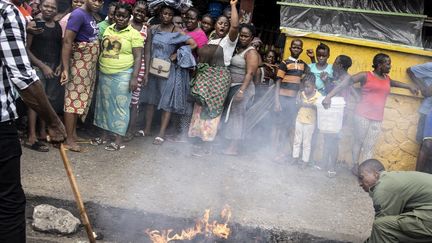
47	218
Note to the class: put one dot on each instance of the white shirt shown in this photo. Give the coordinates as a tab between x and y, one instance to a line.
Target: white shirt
228	47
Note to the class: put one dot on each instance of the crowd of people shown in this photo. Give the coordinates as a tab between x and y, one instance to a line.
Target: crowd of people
207	77
204	75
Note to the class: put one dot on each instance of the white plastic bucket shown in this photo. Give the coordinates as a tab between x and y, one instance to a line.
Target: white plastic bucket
330	120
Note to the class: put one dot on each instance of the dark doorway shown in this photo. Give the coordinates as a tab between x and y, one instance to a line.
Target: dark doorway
266	18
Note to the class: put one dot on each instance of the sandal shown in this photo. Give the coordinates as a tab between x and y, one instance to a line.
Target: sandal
331	174
139	133
37	146
317	167
158	141
114	147
97	141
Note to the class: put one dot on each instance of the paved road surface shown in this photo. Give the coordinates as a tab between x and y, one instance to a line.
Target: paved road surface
166	180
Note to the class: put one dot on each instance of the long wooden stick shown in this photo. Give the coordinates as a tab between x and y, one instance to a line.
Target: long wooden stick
77	195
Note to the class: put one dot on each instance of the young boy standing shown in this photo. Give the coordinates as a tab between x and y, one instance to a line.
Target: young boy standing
306	119
288	83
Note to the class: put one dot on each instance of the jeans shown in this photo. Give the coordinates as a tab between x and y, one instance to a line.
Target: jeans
12	198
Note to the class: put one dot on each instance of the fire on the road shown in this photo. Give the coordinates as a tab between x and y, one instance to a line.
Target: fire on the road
220	230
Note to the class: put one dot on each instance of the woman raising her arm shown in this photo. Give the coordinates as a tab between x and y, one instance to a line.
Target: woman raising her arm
369	112
212	81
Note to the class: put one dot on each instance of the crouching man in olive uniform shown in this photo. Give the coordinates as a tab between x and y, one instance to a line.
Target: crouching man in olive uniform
402	202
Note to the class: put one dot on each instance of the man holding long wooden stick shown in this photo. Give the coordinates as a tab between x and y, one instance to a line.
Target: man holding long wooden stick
17	74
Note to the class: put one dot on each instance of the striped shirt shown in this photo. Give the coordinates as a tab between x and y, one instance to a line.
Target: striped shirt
137	92
15	67
291	72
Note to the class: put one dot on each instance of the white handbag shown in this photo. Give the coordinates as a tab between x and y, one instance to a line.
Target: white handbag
160	67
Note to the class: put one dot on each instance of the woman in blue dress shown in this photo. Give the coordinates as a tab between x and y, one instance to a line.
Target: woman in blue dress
165	40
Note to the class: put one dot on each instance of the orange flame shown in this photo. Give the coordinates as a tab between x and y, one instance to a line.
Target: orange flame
202	226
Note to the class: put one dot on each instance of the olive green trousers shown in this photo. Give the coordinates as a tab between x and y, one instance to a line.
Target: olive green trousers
415	226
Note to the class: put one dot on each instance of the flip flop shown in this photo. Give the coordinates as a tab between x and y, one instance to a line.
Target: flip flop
114	147
139	133
37	146
316	167
97	141
331	174
158	141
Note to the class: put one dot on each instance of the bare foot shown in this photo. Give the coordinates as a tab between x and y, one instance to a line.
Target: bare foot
72	145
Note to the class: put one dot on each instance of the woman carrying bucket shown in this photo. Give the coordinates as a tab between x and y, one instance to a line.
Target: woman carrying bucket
369	112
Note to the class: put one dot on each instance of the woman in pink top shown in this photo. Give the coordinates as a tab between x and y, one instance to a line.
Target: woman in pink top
192	28
369	112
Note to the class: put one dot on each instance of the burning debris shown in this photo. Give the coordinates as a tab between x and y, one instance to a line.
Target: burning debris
202	227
